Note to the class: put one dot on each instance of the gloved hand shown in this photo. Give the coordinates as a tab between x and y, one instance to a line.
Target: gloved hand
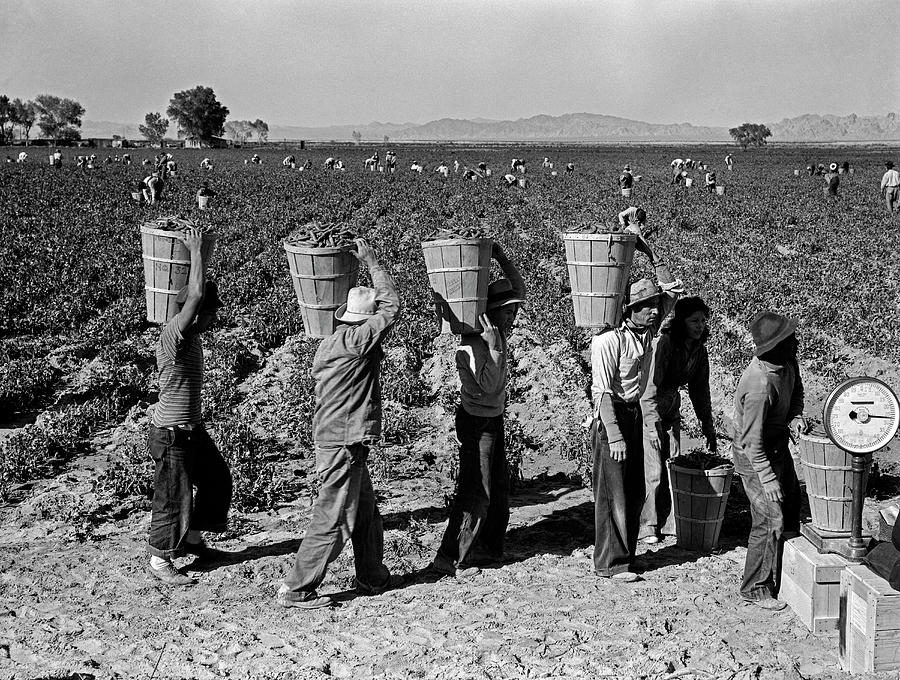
676	287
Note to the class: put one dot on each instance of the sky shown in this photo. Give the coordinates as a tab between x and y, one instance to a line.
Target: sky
296	62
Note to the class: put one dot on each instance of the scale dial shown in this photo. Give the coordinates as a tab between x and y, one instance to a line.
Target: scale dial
862	415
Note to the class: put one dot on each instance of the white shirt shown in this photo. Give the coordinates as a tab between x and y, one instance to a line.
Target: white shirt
890	179
618	359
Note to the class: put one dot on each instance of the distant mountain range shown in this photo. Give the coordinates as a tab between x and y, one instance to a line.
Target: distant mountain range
570	127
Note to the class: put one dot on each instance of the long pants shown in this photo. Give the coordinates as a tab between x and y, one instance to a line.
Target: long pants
480	511
345	509
892	198
186	460
656	514
771	519
618	493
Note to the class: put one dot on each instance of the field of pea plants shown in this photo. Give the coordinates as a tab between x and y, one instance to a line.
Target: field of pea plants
77	374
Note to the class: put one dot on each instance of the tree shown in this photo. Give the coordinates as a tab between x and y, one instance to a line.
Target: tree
750	134
59	118
198	113
357	137
238	130
6	116
261	128
24	115
154	128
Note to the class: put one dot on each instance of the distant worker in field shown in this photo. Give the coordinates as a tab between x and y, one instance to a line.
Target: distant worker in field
832	180
626	179
510	180
371	163
289	161
711	181
390	162
768	408
307	165
443	170
339	164
347	371
890	187
126	159
570	167
22	157
329	163
57	159
845	167
810	170
729	161
153	187
678	359
186	457
469	174
619	358
476	530
678	175
206	164
484	169
416	167
456	167
546	163
171	167
255	159
634	220
677	163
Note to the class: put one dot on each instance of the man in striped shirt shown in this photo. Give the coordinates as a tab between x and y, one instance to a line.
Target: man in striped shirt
184	454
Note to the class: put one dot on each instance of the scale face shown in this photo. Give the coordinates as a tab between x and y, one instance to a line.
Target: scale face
862	415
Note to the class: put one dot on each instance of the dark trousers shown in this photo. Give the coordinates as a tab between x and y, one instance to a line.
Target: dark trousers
345	509
185	461
480	512
618	493
771	520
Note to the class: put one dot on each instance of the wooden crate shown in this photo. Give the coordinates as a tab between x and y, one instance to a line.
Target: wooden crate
870	622
811	584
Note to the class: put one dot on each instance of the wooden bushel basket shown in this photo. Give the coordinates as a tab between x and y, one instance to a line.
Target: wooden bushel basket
720	189
459	271
203	202
699	498
167	264
599	266
136	196
626	192
688	182
322	278
829	481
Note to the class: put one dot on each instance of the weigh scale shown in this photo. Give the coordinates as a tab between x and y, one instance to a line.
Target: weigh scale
861	416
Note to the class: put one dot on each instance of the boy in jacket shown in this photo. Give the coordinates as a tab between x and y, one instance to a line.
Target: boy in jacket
347	370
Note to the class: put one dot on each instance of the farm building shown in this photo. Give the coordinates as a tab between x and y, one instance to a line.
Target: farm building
214	143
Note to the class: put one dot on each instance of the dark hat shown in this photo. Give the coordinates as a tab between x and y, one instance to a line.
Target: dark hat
211	299
502	293
889	164
641	291
769	328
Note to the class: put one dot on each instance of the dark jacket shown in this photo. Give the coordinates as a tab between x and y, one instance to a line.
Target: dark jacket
347	371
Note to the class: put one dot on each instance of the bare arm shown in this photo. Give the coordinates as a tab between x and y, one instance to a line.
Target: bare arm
193	239
509	269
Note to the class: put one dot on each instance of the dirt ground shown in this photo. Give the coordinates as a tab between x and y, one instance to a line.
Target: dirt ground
75	601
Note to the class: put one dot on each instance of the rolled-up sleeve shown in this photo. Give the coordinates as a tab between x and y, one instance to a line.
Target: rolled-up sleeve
362	338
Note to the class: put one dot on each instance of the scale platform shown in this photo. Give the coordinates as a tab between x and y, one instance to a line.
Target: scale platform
837	542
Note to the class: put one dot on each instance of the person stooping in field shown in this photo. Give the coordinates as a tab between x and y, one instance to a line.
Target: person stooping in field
634	220
626	179
711	181
347	371
206	164
479	515
729	161
510	180
678	359
768	407
890	187
832	180
289	161
619	364
185	456
443	170
153	188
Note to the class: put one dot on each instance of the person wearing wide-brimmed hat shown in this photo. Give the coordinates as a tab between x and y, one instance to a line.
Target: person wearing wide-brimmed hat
832	180
768	405
186	457
347	371
480	512
626	179
890	187
619	362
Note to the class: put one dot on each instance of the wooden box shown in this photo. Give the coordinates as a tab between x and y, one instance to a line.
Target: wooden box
870	622
811	584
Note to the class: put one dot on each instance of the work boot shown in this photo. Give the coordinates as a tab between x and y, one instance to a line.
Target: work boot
169	575
390	583
312	600
769	603
444	566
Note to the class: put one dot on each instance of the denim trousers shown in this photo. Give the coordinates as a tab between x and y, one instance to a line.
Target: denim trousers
191	490
656	514
771	519
480	512
345	509
618	492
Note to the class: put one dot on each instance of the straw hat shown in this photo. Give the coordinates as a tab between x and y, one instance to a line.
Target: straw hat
502	293
833	166
627	167
769	328
641	291
360	305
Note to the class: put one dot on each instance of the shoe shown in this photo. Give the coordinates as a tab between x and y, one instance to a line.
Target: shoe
203	552
651	540
769	603
625	577
169	575
444	566
289	598
391	583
